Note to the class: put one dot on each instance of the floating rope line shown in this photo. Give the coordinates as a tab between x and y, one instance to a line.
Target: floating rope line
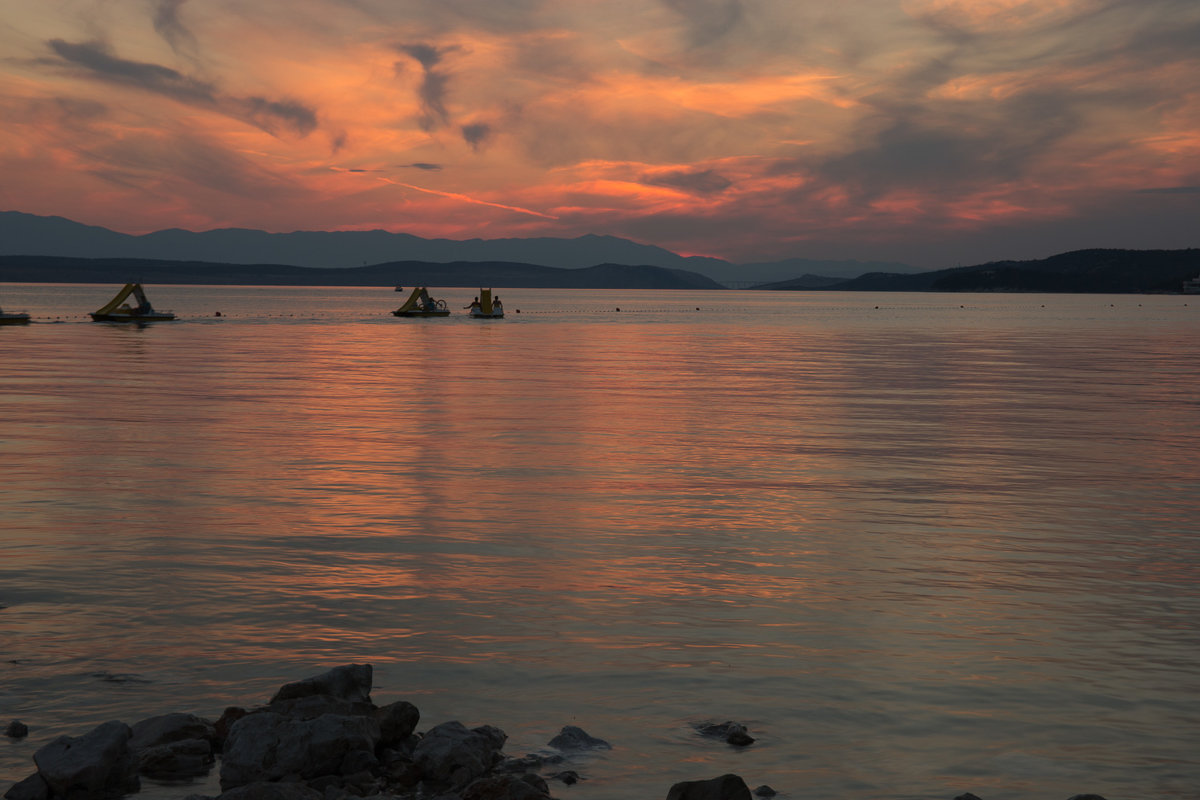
616	310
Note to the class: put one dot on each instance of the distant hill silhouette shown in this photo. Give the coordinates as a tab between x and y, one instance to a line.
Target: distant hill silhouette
50	269
28	234
803	282
1083	271
810	269
31	235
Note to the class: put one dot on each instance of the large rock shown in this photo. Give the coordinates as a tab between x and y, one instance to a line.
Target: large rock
573	738
173	746
168	728
350	682
397	721
188	758
726	787
269	747
317	705
32	788
221	727
734	733
452	754
97	765
272	791
507	787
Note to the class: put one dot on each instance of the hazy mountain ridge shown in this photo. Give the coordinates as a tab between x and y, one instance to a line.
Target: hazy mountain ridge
234	255
53	269
32	235
28	234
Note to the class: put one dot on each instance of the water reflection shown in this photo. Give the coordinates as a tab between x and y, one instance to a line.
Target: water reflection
963	554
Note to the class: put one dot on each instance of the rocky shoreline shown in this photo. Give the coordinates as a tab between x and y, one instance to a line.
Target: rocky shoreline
322	738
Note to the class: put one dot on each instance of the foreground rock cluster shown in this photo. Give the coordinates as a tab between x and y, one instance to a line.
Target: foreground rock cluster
323	739
317	739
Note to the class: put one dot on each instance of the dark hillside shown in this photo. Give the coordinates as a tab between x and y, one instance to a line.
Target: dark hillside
53	269
1083	271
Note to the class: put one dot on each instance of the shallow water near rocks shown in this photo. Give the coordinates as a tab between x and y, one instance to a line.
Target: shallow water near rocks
917	544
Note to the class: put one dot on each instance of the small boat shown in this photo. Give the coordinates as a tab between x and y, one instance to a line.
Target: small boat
399	288
486	306
118	310
1192	286
420	304
13	317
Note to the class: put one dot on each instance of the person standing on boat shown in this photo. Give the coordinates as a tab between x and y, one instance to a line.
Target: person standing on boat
474	305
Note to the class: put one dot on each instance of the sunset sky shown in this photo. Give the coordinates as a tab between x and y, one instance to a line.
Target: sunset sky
933	132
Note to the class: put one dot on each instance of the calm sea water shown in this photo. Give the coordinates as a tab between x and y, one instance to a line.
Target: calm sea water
918	544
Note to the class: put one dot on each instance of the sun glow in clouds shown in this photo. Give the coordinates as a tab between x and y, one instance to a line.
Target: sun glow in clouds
745	130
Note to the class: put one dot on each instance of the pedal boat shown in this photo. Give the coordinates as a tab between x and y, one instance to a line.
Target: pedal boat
118	310
13	317
486	307
420	304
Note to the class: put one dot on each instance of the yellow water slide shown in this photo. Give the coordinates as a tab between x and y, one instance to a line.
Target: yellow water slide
419	296
136	290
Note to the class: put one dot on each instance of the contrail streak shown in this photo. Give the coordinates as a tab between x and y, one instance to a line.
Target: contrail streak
468	199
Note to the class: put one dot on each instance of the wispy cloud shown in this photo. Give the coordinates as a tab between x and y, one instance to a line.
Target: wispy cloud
434	82
699	181
99	62
273	116
476	134
169	24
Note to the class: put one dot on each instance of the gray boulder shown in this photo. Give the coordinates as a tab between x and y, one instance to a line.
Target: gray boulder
507	787
350	682
317	705
397	721
726	787
452	754
272	791
734	733
32	788
573	738
167	728
173	746
187	758
270	747
96	765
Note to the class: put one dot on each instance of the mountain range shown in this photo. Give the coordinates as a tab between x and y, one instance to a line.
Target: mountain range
53	249
29	234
